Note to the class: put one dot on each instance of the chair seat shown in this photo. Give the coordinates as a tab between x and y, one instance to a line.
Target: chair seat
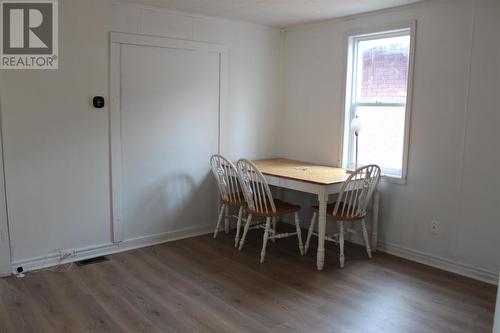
329	213
282	208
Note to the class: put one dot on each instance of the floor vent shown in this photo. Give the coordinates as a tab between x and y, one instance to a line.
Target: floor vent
91	261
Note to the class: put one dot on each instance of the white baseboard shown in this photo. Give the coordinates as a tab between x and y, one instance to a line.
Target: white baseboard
441	263
52	259
431	260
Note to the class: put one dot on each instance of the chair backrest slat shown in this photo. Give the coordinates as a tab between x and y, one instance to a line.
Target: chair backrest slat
255	188
227	178
356	192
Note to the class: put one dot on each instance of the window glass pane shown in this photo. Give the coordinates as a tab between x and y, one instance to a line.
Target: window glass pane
383	69
382	137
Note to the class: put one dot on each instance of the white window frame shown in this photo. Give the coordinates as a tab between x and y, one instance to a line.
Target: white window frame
349	105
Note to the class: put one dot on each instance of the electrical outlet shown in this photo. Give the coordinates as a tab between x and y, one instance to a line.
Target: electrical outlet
64	254
435	227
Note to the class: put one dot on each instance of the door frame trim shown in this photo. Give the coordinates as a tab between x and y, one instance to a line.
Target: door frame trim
117	39
5	262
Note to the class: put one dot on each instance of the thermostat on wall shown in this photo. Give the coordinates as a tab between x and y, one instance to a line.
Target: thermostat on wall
98	102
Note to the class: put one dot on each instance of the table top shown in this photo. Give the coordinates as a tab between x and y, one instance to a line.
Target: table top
303	171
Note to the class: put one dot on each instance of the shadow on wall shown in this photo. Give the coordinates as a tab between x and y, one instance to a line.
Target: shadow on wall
173	203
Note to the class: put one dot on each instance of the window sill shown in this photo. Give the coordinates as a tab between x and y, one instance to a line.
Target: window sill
393	179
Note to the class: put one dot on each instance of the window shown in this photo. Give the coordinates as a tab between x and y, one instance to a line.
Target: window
377	86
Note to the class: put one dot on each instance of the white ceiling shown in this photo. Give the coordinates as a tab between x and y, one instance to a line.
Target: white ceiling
278	13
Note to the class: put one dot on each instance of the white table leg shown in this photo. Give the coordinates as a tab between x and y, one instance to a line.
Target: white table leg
320	257
375	209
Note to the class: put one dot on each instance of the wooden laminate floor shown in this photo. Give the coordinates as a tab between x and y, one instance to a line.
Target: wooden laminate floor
205	285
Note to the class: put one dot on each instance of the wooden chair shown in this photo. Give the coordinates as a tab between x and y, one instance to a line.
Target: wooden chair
351	205
260	203
230	191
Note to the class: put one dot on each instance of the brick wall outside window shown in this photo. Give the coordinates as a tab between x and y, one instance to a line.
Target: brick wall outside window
384	73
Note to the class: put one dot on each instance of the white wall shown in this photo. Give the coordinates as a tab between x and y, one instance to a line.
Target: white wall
455	147
56	145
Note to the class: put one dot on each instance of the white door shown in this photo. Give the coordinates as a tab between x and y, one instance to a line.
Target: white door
5	268
169	126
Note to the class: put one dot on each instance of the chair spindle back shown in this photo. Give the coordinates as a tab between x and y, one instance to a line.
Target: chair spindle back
227	178
356	192
255	188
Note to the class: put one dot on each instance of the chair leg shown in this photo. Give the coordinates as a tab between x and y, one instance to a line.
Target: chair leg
274	229
238	227
226	219
219	220
299	233
264	241
367	241
245	231
341	243
309	234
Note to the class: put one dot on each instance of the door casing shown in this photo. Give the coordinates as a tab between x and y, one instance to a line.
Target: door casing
116	40
5	254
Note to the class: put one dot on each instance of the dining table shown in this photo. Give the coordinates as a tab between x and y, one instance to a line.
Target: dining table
319	180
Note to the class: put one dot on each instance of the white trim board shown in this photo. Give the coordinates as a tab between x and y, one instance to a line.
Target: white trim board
441	263
117	39
173	43
5	250
430	260
52	259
